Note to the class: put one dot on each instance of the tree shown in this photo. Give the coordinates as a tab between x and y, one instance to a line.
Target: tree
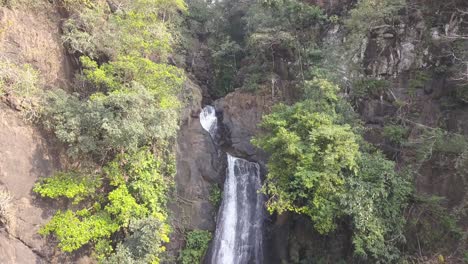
144	245
321	168
123	120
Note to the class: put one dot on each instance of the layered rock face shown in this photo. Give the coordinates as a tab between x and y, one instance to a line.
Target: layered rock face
31	34
24	157
199	167
242	112
28	36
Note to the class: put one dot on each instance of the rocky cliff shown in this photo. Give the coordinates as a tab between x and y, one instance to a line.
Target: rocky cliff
29	36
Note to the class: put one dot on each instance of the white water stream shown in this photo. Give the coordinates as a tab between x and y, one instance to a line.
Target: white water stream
239	230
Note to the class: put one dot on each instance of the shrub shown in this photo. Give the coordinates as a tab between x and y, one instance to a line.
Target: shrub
137	105
123	120
431	227
216	195
135	28
75	229
197	242
138	186
22	83
71	185
396	134
144	245
368	14
369	88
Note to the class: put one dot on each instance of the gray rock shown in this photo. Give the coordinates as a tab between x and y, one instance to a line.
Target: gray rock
407	56
242	112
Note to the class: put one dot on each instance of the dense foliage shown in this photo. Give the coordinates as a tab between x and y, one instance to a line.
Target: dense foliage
137	188
197	242
120	122
318	168
71	185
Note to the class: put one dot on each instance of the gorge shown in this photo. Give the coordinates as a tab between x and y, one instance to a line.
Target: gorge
233	132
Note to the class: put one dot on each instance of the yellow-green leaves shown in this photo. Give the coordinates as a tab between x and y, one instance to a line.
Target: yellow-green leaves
74	230
71	185
139	184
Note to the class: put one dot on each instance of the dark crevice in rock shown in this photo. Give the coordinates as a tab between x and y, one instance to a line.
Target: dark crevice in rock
33	250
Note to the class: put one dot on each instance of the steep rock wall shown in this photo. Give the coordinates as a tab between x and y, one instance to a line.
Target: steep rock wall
29	35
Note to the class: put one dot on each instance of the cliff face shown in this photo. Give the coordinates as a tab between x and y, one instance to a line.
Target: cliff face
31	34
28	35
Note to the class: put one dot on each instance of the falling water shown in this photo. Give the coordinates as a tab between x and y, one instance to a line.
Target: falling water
208	120
239	230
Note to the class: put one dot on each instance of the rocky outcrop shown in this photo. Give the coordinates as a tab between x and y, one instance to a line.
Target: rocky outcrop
242	113
32	35
200	165
24	157
28	35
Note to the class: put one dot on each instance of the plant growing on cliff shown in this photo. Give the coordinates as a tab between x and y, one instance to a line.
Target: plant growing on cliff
138	186
141	246
136	105
130	28
318	168
22	84
396	134
216	194
6	214
197	242
368	15
72	185
309	153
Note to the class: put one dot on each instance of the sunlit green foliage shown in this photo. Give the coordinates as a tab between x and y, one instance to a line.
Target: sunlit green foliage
71	185
132	28
137	104
75	229
162	80
139	184
317	168
309	153
124	206
197	242
147	178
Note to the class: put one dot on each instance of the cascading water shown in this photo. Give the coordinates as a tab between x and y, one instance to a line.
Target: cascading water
208	120
239	230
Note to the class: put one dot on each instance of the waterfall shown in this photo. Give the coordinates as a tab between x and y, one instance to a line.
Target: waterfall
208	120
239	229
